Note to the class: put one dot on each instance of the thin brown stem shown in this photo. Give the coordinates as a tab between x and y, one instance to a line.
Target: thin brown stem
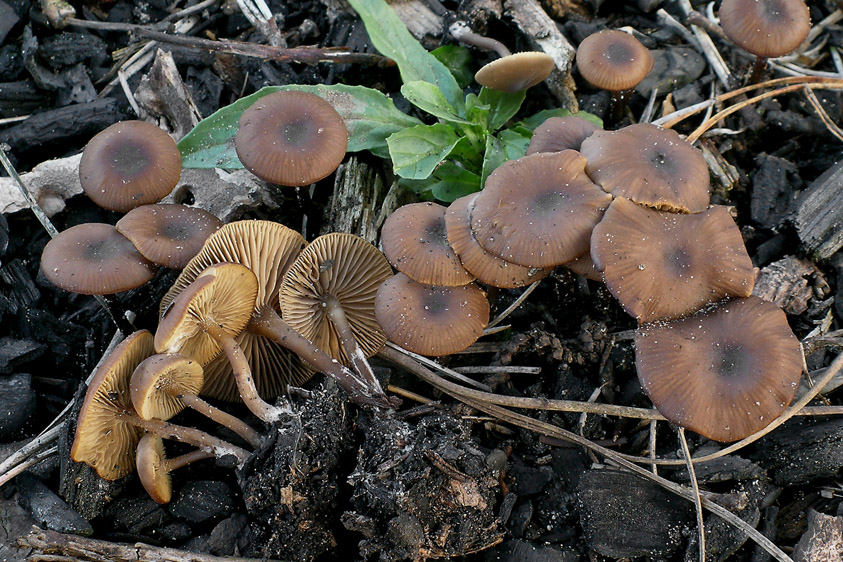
180	461
758	68
349	342
223	418
195	437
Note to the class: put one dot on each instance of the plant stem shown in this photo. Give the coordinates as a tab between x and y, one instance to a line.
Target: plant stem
189	435
233	423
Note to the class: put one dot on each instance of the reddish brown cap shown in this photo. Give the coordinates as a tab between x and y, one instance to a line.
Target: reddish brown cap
94	259
169	235
766	28
649	165
561	133
488	268
516	72
152	468
725	372
129	164
584	265
613	60
158	381
539	210
291	138
415	242
667	265
431	320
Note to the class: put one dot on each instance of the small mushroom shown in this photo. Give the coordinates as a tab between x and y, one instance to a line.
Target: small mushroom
561	133
129	164
415	242
765	28
94	259
431	320
168	235
291	138
664	265
725	372
154	467
650	165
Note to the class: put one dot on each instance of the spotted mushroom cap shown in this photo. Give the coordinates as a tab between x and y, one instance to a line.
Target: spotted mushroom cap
431	320
666	265
516	72
94	259
539	210
169	235
158	381
103	439
129	164
766	28
415	242
291	138
613	60
725	372
347	268
650	165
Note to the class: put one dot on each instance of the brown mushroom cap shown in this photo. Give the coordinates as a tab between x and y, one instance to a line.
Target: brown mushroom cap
104	440
291	138
766	28
94	259
129	164
649	165
157	382
169	235
539	210
667	265
613	60
584	265
151	463
223	295
561	133
431	320
415	242
725	372
347	268
516	72
268	249
488	268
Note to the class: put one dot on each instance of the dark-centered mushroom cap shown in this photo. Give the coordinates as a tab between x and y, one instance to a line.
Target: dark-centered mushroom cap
169	235
725	372
223	296
649	165
291	138
488	268
667	265
415	242
516	72
103	439
766	28
159	380
613	60
561	133
347	268
268	249
431	320
539	210
154	477
94	259
129	164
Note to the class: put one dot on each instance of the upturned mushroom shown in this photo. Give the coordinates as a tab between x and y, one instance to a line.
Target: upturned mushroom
154	467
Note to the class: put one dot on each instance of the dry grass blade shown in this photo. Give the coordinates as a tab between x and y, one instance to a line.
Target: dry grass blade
827	121
521	298
686	453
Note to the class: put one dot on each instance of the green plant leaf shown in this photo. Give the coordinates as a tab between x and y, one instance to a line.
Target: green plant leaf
537	119
477	112
391	38
369	116
429	98
452	182
502	106
458	60
507	145
469	156
416	151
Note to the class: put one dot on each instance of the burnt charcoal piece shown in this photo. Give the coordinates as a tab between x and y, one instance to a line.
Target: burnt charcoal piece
11	63
789	283
291	483
523	551
819	214
14	352
17	290
69	48
624	515
422	491
136	515
227	537
17	402
21	98
8	20
823	536
773	185
802	452
203	500
47	509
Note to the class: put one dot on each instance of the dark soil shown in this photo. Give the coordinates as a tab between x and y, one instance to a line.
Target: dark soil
338	482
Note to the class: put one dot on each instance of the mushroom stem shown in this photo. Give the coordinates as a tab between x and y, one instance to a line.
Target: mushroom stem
243	376
349	342
618	105
180	461
758	69
460	31
267	323
233	423
195	437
